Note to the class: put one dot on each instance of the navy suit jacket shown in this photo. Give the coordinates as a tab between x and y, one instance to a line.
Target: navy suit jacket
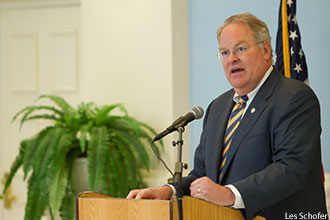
275	158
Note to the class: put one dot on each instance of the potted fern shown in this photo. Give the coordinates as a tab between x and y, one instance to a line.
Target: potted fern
113	145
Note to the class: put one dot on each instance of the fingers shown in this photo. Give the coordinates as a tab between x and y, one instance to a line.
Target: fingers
148	193
199	187
205	188
162	193
132	194
140	194
144	194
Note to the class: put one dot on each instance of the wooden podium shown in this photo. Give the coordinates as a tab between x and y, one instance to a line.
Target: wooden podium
94	206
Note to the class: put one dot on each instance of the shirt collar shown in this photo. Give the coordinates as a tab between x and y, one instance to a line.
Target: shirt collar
253	93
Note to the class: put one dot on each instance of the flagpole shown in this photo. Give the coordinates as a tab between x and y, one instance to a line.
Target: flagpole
285	40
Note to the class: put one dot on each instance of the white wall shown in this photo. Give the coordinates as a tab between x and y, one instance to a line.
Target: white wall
131	55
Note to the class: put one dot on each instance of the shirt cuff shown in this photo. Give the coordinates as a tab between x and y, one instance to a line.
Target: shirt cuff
173	189
238	204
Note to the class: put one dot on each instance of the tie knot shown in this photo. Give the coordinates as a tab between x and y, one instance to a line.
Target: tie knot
243	99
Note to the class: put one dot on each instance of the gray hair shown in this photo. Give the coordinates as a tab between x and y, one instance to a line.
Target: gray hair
259	28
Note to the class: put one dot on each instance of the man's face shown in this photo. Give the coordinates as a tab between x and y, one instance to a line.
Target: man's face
246	66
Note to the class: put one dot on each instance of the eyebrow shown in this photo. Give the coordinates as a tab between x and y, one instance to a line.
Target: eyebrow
238	43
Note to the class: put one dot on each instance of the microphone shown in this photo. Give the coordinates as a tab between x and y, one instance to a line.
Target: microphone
196	113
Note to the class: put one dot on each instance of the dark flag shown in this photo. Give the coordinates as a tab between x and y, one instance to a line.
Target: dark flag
290	58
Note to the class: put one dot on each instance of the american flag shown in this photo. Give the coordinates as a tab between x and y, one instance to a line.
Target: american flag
290	58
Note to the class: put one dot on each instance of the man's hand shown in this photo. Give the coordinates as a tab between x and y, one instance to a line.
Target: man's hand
161	193
205	188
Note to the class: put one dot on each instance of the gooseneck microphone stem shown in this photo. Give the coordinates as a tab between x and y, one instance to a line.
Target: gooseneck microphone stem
178	173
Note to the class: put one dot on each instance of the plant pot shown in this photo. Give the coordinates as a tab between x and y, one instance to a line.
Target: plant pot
80	175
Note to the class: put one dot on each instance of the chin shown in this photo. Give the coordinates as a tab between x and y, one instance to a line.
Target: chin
238	85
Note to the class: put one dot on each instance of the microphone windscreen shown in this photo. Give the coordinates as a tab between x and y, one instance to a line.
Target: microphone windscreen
198	112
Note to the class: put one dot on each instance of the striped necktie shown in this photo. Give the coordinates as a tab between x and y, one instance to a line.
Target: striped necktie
233	122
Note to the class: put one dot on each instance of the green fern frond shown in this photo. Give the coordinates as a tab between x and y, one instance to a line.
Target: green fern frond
43	116
152	131
47	146
67	210
57	175
98	150
31	149
116	175
102	113
59	101
57	184
113	176
118	159
70	122
121	123
145	135
83	136
26	114
132	141
109	177
133	124
35	108
112	120
36	199
86	109
130	163
15	166
122	109
13	169
28	157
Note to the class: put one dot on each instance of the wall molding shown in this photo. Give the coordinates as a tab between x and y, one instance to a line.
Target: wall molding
26	4
64	46
21	44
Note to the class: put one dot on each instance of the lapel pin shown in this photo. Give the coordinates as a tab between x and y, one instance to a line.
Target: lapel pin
253	110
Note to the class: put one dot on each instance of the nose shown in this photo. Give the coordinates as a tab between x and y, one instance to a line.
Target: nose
233	57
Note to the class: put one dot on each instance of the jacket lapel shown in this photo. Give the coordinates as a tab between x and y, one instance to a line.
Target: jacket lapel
251	116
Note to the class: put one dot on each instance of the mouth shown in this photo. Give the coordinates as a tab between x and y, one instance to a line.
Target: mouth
236	70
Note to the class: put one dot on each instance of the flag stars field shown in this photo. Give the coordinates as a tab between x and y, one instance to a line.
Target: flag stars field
301	53
293	35
298	68
291	51
289	2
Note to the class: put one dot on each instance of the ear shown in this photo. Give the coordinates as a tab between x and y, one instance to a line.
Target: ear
267	49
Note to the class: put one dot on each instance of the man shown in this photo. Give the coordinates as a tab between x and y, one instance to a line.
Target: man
263	155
